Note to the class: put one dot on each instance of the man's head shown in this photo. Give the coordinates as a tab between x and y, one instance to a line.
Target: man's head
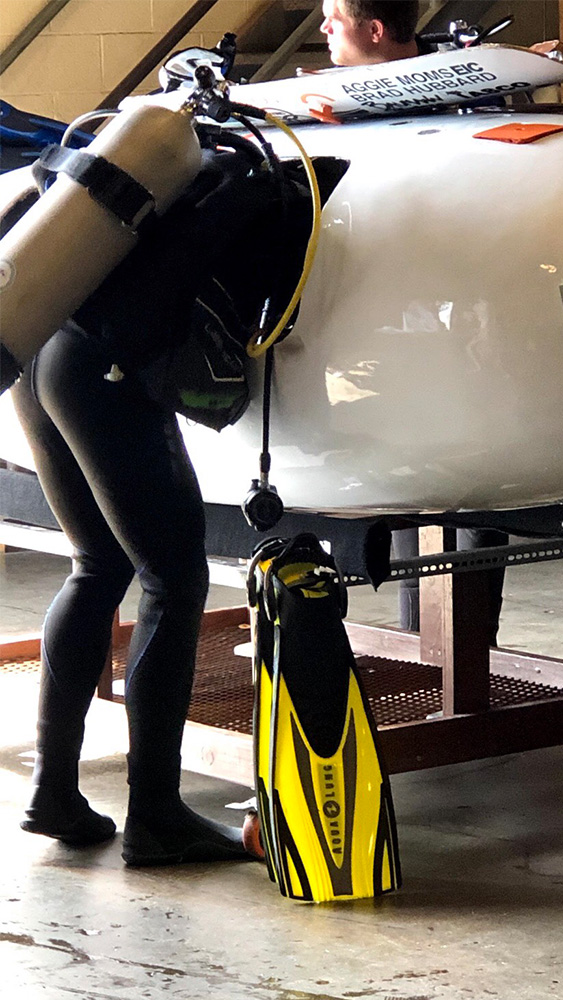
360	32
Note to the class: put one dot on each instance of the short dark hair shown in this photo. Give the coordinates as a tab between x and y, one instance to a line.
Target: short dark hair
400	17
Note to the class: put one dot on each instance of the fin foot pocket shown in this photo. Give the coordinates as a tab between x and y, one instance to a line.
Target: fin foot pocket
324	799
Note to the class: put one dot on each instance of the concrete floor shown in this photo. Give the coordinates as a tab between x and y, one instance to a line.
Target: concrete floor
480	914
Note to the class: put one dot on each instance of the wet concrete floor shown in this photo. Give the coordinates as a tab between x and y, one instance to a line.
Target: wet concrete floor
480	914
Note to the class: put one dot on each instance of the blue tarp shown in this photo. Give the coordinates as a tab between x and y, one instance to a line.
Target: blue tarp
23	136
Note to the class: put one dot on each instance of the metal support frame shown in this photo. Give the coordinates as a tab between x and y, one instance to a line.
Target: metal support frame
30	32
434	561
434	8
279	58
466	729
157	54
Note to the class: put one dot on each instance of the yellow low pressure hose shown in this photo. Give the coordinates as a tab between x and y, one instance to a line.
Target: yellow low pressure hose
255	350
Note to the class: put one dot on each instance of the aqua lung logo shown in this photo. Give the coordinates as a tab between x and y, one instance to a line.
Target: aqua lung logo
330	797
332	809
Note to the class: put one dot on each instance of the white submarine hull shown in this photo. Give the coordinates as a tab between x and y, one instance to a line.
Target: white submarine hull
425	371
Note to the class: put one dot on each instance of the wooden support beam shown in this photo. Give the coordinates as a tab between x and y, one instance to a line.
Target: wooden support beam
413	746
105	684
454	629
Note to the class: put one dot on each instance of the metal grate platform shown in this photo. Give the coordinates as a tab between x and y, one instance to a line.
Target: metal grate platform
398	691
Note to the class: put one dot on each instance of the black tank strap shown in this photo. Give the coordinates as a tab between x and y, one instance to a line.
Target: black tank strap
106	183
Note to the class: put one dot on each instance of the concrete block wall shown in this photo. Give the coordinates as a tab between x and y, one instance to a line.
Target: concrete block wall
92	44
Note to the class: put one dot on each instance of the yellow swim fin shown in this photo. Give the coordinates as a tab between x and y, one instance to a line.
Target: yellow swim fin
323	794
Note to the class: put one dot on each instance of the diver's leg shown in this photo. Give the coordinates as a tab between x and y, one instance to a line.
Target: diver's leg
482	538
157	513
165	535
78	624
405	546
132	456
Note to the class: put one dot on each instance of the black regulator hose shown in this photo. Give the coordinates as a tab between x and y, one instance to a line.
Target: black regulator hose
263	507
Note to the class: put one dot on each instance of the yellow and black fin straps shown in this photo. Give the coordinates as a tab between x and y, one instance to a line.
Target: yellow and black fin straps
303	565
260	562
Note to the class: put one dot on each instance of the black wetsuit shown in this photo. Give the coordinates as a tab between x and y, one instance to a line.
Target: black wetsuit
113	466
115	471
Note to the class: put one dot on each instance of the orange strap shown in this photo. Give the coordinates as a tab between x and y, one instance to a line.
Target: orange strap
519	132
325	114
320	107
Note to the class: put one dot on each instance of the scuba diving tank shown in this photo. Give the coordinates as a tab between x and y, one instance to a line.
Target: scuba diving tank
64	246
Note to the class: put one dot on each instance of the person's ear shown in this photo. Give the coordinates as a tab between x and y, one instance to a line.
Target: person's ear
377	30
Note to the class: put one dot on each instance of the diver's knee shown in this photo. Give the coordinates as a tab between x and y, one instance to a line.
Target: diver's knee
181	583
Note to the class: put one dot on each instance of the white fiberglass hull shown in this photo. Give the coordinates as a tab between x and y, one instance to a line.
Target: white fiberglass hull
425	371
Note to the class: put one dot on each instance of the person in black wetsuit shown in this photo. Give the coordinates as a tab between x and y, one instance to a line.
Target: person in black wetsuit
115	472
112	463
367	32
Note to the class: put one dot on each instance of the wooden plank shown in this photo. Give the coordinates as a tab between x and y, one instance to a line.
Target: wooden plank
20	647
388	642
527	667
28	536
454	628
511	729
105	683
406	747
219	753
223	617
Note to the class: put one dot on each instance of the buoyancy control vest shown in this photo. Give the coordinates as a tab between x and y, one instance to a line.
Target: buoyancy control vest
178	312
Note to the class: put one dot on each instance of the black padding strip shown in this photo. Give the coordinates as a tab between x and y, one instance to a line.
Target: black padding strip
106	183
